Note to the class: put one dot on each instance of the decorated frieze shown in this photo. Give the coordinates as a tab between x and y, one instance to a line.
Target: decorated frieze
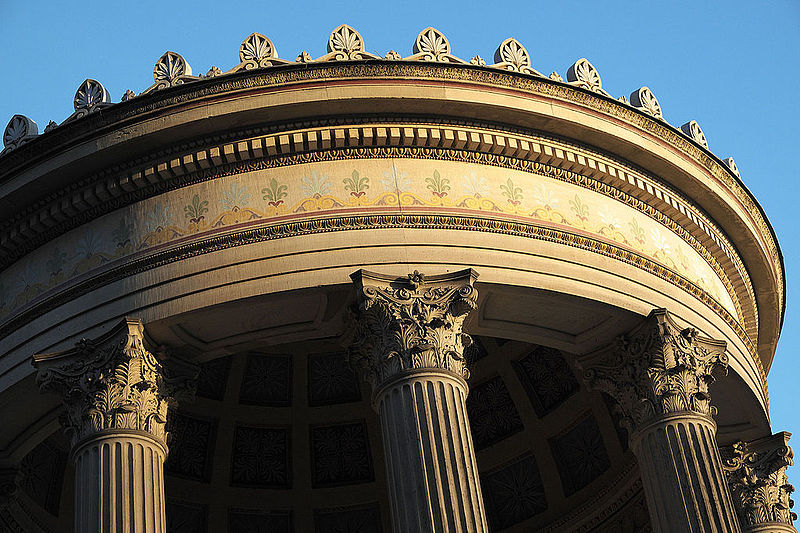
366	186
412	323
658	369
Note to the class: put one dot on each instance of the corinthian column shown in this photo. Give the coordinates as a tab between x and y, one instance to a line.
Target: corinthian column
659	375
409	345
116	398
761	493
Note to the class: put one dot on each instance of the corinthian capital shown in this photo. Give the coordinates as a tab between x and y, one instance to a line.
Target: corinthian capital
410	323
112	382
756	473
659	368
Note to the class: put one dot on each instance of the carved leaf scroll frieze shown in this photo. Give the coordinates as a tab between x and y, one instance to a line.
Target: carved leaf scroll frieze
112	382
658	369
756	473
413	323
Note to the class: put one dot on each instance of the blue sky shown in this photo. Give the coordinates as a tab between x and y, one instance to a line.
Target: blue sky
732	66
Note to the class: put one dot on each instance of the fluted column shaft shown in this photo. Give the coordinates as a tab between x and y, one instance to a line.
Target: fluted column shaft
682	474
659	375
116	395
119	482
407	342
430	460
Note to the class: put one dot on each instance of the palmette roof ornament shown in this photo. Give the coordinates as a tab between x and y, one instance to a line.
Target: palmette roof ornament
257	51
658	369
171	69
406	324
731	164
692	130
91	96
644	100
345	43
511	55
432	45
583	74
20	129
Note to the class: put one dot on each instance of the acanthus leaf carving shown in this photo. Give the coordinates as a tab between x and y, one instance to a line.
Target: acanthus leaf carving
643	99
692	130
658	369
413	323
756	474
113	382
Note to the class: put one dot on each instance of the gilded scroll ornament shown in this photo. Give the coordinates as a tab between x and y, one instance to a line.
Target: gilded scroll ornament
403	324
658	369
756	473
111	383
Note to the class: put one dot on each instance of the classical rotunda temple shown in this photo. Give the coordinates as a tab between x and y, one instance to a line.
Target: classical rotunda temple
411	293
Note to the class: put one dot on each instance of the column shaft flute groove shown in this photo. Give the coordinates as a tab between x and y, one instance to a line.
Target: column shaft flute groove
682	471
423	422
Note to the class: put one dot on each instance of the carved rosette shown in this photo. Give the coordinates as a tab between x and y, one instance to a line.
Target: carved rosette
756	473
410	323
110	383
658	369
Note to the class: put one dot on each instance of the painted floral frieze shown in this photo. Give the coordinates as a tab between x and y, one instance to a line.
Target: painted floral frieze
344	188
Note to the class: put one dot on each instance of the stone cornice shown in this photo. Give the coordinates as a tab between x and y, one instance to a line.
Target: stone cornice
478	143
289	75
